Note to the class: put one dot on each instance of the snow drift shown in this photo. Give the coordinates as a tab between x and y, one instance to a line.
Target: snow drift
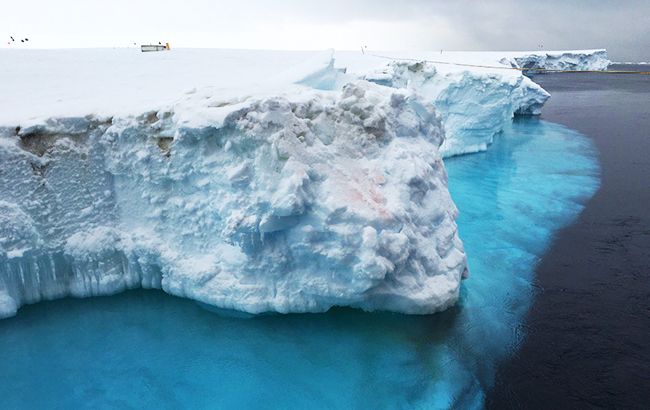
318	185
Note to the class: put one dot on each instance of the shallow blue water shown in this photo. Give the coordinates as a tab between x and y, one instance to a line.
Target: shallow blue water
147	349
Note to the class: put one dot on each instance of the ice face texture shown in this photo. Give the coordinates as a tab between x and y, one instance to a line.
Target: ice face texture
289	206
560	60
474	105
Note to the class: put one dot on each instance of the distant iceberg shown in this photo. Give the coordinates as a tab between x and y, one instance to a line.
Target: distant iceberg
560	60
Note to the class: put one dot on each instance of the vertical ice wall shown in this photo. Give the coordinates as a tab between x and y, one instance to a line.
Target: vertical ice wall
560	60
474	105
289	204
53	186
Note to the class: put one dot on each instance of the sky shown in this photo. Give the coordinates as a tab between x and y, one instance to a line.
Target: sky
622	26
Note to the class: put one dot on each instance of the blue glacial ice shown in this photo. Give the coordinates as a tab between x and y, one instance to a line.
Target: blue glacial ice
474	106
166	352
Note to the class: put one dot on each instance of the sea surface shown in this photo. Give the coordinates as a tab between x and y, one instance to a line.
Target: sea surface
146	349
588	343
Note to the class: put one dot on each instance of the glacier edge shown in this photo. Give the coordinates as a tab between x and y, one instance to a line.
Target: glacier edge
290	200
288	206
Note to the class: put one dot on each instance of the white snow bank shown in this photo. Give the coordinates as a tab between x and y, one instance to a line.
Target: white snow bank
39	84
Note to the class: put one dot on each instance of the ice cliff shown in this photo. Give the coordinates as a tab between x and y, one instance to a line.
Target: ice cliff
321	184
560	60
474	105
286	205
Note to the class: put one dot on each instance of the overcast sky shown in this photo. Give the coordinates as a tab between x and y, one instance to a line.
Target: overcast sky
622	26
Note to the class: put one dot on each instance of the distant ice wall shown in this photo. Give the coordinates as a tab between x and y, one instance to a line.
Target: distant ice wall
560	60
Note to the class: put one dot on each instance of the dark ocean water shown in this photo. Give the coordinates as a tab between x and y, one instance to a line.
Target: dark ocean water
588	330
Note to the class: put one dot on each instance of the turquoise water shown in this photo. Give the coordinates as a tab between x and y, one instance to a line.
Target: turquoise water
147	349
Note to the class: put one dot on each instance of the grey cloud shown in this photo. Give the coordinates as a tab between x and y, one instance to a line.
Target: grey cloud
622	26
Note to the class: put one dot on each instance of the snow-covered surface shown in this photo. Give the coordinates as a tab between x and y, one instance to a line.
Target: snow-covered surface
258	181
40	84
474	102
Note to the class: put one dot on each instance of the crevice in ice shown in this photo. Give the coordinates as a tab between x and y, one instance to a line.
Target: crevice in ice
165	145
